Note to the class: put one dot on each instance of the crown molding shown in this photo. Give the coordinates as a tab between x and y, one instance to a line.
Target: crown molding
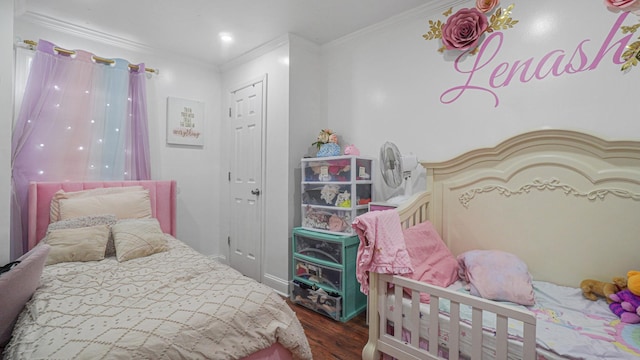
429	8
68	28
256	53
84	32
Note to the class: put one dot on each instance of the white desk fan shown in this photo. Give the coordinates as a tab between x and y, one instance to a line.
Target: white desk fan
396	169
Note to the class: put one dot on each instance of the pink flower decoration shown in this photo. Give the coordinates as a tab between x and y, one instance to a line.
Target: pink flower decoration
463	29
624	5
486	5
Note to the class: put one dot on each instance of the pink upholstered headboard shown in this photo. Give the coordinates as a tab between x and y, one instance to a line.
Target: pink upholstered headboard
163	195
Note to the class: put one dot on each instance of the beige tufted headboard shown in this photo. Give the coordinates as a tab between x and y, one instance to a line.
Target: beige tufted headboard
565	202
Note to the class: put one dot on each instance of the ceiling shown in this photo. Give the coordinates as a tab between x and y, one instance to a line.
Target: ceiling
192	27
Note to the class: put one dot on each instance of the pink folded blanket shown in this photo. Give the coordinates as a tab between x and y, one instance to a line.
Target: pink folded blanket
382	248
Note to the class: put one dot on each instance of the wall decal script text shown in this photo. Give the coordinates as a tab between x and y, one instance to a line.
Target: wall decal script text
554	63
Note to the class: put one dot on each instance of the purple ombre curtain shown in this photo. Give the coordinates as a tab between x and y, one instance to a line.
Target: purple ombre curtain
138	166
79	120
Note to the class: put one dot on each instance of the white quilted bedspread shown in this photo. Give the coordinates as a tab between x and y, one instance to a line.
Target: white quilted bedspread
173	305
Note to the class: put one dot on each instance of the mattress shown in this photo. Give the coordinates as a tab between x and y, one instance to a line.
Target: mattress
568	326
175	304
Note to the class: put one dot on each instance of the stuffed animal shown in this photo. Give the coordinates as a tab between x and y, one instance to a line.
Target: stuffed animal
626	305
329	193
343	199
351	150
633	282
592	289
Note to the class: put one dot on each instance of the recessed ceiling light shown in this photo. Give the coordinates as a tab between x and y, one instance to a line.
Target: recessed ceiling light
226	37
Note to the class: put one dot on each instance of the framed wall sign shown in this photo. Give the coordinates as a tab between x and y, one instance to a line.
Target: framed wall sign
185	122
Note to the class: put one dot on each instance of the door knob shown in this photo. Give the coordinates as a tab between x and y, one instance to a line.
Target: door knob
255	192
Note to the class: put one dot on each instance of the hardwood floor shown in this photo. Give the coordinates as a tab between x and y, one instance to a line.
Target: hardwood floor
330	339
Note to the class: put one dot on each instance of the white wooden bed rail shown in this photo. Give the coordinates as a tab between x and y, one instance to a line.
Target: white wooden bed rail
414	211
396	347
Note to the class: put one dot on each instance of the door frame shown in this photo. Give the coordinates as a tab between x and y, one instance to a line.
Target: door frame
263	171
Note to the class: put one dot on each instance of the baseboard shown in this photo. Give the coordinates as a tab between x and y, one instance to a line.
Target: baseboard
281	286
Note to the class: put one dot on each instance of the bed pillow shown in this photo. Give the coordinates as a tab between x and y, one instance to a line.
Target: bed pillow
54	208
78	244
497	275
17	286
135	238
129	205
85	221
432	261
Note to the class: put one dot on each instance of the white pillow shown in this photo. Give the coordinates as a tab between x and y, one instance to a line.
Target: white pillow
129	205
54	208
86	221
79	244
136	238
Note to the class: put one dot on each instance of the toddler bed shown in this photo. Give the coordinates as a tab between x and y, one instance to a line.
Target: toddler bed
563	203
154	297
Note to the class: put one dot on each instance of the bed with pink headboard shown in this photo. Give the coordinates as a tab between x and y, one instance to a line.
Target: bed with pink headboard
162	194
170	303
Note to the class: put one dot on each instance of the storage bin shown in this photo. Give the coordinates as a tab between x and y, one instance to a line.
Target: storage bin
317	299
328	262
318	248
329	220
336	195
319	274
337	168
334	191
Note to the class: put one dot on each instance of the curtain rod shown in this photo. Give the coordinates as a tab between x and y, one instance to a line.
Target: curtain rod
95	58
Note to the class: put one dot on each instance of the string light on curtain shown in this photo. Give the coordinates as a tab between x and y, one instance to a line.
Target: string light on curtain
79	120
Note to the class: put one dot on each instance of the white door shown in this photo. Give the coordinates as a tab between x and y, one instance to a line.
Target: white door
245	177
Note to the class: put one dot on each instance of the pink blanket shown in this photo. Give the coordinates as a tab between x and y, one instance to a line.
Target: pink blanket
382	248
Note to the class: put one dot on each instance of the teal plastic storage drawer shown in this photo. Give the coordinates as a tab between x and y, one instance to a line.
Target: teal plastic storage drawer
318	248
324	266
319	300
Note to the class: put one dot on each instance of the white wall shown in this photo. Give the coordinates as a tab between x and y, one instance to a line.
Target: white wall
306	120
272	60
6	114
196	169
385	83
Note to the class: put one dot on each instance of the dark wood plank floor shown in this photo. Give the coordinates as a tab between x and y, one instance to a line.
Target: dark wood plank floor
330	339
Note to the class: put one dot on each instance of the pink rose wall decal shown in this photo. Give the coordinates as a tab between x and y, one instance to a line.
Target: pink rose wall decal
464	30
632	6
486	5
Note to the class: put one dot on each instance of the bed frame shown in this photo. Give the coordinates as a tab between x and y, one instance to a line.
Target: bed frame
163	197
162	193
565	202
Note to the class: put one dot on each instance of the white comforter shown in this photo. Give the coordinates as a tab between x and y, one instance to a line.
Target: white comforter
173	305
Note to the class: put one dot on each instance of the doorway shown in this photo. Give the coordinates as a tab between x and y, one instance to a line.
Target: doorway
247	118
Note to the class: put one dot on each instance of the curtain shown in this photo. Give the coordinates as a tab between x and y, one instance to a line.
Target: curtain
79	120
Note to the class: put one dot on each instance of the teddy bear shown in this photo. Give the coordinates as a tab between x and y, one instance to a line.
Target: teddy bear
626	305
592	289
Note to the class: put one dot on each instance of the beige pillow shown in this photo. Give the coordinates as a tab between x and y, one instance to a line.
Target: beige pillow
135	238
79	244
86	221
54	208
128	205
